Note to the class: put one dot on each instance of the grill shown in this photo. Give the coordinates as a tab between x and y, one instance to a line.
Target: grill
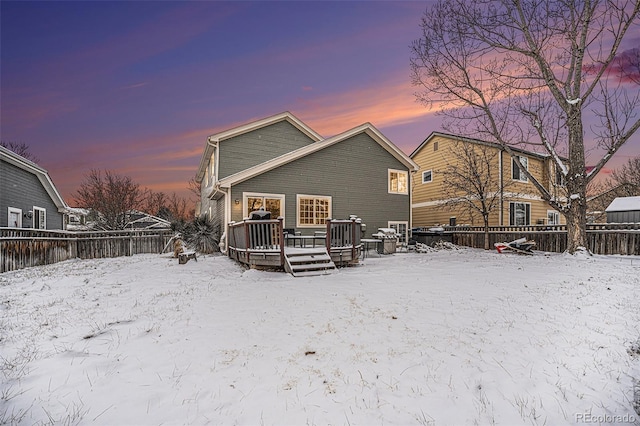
389	240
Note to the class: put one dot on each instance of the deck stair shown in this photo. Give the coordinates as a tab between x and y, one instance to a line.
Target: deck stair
308	262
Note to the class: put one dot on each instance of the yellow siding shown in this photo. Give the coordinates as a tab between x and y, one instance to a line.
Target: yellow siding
427	196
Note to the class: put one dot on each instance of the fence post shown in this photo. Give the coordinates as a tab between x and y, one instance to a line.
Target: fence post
353	239
328	237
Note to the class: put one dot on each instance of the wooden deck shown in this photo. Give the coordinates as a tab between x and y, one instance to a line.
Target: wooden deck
262	243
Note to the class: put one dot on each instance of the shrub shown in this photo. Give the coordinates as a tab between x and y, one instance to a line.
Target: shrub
201	234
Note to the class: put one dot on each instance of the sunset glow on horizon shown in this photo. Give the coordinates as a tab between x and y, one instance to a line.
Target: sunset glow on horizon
136	87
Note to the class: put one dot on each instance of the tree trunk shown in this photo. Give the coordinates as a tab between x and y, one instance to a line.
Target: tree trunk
486	232
576	214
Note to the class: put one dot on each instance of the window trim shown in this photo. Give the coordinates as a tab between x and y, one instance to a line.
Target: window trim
521	176
314	197
398	172
14	210
556	213
245	203
431	176
33	220
400	222
511	206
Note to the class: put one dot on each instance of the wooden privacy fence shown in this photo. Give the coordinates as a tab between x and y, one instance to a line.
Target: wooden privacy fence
602	238
22	248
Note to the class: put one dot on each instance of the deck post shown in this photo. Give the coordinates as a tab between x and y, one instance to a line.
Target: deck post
281	233
247	241
328	236
353	239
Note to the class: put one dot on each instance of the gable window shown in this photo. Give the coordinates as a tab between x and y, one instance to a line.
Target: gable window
313	210
435	146
516	173
519	214
15	218
398	182
39	218
427	176
273	203
553	217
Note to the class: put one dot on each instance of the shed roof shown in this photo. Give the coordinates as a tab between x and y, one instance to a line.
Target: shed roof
624	204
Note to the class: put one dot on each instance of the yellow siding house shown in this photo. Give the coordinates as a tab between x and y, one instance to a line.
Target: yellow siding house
518	201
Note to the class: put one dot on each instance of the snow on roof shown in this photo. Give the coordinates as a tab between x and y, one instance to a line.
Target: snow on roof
623	204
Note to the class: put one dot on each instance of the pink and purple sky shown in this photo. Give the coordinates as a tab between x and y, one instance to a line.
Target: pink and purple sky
136	87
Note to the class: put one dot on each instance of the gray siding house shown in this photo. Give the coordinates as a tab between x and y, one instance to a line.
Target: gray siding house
279	163
624	210
28	197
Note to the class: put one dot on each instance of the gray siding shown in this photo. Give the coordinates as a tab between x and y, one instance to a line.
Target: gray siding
253	148
22	190
353	172
632	216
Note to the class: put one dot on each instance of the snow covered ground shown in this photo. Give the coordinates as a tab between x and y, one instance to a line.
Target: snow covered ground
452	337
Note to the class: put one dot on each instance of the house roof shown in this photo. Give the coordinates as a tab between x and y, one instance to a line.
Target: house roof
42	175
624	204
249	127
472	140
367	128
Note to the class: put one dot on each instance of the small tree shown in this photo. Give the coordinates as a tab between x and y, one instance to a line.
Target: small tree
628	174
111	195
472	182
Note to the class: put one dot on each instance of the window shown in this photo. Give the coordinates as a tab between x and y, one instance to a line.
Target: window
553	217
273	203
313	210
559	177
516	174
398	182
427	176
211	170
435	146
39	218
401	230
519	214
15	218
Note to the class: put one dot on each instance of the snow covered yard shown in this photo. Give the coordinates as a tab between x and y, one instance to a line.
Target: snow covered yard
452	337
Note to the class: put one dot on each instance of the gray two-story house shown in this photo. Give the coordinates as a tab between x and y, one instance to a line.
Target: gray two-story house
28	197
281	164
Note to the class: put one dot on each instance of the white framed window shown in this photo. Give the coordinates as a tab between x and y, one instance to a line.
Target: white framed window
14	218
211	170
402	230
39	218
273	203
516	173
553	217
398	182
427	176
519	214
313	210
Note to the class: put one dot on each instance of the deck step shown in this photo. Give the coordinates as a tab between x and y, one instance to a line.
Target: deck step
309	262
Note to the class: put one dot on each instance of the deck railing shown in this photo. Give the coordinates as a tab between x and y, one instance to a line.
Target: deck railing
343	234
258	236
252	241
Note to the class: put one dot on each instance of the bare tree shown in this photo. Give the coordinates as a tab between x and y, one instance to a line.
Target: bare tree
472	183
195	187
111	195
20	148
628	174
527	72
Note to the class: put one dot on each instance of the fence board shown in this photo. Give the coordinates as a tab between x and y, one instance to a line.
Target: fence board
610	238
23	248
